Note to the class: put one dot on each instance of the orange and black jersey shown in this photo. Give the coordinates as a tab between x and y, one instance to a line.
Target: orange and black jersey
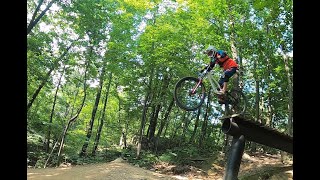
225	62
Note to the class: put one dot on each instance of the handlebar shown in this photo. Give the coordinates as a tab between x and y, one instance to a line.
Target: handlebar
203	73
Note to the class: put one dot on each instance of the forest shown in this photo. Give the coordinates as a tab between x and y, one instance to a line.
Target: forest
101	75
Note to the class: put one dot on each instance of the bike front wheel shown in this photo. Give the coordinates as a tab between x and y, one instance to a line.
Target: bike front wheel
186	96
237	101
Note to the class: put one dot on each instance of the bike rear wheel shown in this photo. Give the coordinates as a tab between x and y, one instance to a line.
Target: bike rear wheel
183	96
237	101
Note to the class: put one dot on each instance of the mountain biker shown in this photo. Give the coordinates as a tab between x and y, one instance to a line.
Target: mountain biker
229	66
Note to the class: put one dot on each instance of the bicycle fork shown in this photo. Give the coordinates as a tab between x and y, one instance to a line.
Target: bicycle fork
196	87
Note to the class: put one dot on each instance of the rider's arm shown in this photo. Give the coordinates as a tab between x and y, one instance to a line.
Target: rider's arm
213	61
210	66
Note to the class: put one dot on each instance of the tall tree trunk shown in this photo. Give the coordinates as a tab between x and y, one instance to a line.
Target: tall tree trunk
148	94
93	114
153	111
74	100
205	121
144	113
195	127
164	121
186	123
270	112
290	84
284	155
123	145
257	100
269	94
269	99
143	122
34	21
97	139
233	35
119	120
52	112
153	123
125	131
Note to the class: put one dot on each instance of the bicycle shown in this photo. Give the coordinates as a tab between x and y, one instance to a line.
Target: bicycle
190	93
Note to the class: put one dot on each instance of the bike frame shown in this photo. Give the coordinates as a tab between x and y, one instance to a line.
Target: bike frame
213	82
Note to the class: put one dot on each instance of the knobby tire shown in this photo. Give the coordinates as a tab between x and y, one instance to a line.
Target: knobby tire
182	93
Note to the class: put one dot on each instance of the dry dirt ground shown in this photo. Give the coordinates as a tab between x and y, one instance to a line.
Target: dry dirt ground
269	167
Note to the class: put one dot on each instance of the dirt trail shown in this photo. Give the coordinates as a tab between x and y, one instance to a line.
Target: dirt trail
121	170
115	170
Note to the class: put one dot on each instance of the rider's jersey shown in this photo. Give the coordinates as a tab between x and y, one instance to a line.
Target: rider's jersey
225	62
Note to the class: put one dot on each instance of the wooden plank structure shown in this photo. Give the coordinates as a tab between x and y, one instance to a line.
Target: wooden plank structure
243	129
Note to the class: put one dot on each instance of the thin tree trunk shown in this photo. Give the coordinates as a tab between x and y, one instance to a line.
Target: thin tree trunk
257	100
143	122
126	131
54	146
185	126
165	119
284	155
153	123
119	119
234	50
270	112
153	111
74	100
195	126
144	113
93	114
36	12
72	119
44	80
97	139
269	98
34	20
290	104
205	121
52	112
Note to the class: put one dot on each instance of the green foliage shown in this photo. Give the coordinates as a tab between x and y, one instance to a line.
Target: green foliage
110	33
182	156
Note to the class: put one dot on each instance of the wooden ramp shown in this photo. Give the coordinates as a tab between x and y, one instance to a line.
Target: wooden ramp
236	125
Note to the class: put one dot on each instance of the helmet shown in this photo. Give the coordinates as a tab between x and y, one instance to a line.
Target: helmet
210	51
222	53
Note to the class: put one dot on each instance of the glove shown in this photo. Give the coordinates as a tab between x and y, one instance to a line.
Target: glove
202	69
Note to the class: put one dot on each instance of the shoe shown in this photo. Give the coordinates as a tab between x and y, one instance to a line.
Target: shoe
220	93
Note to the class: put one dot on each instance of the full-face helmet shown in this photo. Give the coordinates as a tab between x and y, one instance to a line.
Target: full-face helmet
210	51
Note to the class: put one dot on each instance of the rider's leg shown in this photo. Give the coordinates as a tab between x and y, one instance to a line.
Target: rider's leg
224	87
221	81
220	90
225	79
